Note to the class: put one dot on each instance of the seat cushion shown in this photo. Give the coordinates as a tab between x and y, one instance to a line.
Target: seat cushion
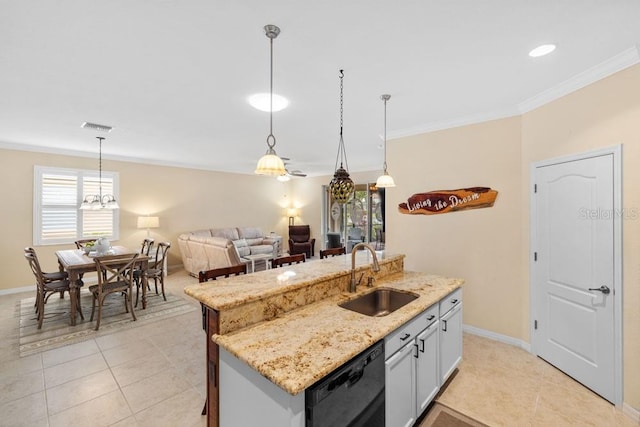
242	246
110	287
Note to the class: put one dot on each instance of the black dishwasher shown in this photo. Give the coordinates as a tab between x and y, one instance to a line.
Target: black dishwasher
350	396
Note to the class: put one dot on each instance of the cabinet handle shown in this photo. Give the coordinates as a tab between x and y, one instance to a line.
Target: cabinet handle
453	301
405	337
431	317
444	326
422	349
416	355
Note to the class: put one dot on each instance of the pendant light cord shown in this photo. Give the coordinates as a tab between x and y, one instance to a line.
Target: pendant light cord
271	140
100	138
342	153
385	136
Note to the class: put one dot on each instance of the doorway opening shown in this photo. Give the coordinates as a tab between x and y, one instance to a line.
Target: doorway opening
361	219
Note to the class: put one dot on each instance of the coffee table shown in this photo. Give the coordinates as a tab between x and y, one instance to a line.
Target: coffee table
259	257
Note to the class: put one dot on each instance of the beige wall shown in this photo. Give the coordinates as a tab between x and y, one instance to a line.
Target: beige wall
480	245
489	248
184	199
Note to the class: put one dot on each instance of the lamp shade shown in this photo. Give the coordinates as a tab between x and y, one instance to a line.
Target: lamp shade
385	181
292	212
148	222
270	164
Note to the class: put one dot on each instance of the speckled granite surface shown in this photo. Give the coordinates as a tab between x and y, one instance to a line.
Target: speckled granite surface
298	349
249	299
286	323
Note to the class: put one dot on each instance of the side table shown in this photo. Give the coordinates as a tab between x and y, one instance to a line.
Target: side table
259	257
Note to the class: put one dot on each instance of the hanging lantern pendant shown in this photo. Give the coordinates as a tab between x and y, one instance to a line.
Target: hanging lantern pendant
341	185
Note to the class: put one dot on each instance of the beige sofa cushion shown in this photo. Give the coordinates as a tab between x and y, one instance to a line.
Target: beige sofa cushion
242	246
222	247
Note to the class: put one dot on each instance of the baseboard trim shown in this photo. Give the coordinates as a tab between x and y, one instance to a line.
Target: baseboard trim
497	337
631	412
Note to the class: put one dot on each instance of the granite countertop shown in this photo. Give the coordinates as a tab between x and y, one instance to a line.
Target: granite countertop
239	290
304	345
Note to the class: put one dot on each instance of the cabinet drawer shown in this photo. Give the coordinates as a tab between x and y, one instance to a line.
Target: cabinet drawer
450	301
407	332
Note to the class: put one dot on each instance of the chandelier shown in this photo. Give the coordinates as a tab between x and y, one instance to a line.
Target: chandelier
385	180
270	163
99	201
341	185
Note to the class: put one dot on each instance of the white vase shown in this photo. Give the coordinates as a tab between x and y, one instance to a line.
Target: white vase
102	245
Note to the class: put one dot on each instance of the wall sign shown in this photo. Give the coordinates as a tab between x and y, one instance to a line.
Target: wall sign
444	201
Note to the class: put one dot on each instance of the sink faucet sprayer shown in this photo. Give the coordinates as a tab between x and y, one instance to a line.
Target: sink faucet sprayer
376	266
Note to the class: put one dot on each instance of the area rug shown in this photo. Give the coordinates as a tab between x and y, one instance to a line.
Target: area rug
442	416
57	332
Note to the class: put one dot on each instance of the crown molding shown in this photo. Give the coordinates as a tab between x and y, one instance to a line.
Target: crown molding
623	60
453	123
617	63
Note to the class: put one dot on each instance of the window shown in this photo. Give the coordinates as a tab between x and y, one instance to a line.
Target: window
58	193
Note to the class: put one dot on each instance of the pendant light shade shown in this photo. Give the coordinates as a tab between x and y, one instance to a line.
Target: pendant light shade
385	180
341	185
270	164
99	201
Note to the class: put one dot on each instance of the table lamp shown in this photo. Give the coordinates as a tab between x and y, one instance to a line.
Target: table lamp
148	222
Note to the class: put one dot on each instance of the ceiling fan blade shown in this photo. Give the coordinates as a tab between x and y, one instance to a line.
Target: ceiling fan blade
297	173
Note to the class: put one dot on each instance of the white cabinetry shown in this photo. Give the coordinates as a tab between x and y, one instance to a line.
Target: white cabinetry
450	334
411	368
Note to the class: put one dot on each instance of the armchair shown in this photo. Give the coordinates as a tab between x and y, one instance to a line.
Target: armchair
300	241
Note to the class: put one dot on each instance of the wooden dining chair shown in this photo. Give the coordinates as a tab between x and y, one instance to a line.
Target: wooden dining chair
48	284
332	252
147	245
234	270
114	276
80	244
288	260
156	270
203	276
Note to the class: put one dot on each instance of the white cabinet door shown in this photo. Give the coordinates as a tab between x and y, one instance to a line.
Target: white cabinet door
427	375
400	388
450	341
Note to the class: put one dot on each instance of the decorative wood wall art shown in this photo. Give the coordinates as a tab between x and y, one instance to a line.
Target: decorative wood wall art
445	201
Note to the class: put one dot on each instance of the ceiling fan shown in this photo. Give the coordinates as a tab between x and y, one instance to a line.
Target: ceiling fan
290	173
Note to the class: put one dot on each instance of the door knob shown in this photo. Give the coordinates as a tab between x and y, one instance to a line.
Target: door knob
604	289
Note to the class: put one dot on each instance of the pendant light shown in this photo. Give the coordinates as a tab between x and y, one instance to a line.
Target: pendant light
341	185
385	180
270	163
99	201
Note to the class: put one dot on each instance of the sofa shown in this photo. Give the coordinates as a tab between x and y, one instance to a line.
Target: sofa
203	250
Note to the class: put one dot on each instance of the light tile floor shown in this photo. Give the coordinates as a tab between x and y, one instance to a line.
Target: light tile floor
153	375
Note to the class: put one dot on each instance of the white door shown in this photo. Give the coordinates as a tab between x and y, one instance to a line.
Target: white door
573	277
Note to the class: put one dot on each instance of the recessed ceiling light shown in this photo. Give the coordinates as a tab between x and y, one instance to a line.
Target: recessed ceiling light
260	101
542	50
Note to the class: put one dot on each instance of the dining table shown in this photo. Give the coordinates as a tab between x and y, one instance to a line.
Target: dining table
76	262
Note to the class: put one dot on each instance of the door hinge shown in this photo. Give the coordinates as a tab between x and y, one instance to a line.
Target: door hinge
535	256
535	188
535	324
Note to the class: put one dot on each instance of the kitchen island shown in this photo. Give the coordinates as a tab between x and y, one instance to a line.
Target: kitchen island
286	325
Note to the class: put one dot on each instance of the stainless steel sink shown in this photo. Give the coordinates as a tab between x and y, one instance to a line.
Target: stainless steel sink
380	302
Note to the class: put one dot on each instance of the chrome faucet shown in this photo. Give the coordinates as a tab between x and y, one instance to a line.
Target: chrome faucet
376	266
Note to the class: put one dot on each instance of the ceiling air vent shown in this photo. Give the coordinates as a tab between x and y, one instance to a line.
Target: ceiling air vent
95	126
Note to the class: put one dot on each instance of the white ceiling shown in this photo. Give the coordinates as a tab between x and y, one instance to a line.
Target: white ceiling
172	77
